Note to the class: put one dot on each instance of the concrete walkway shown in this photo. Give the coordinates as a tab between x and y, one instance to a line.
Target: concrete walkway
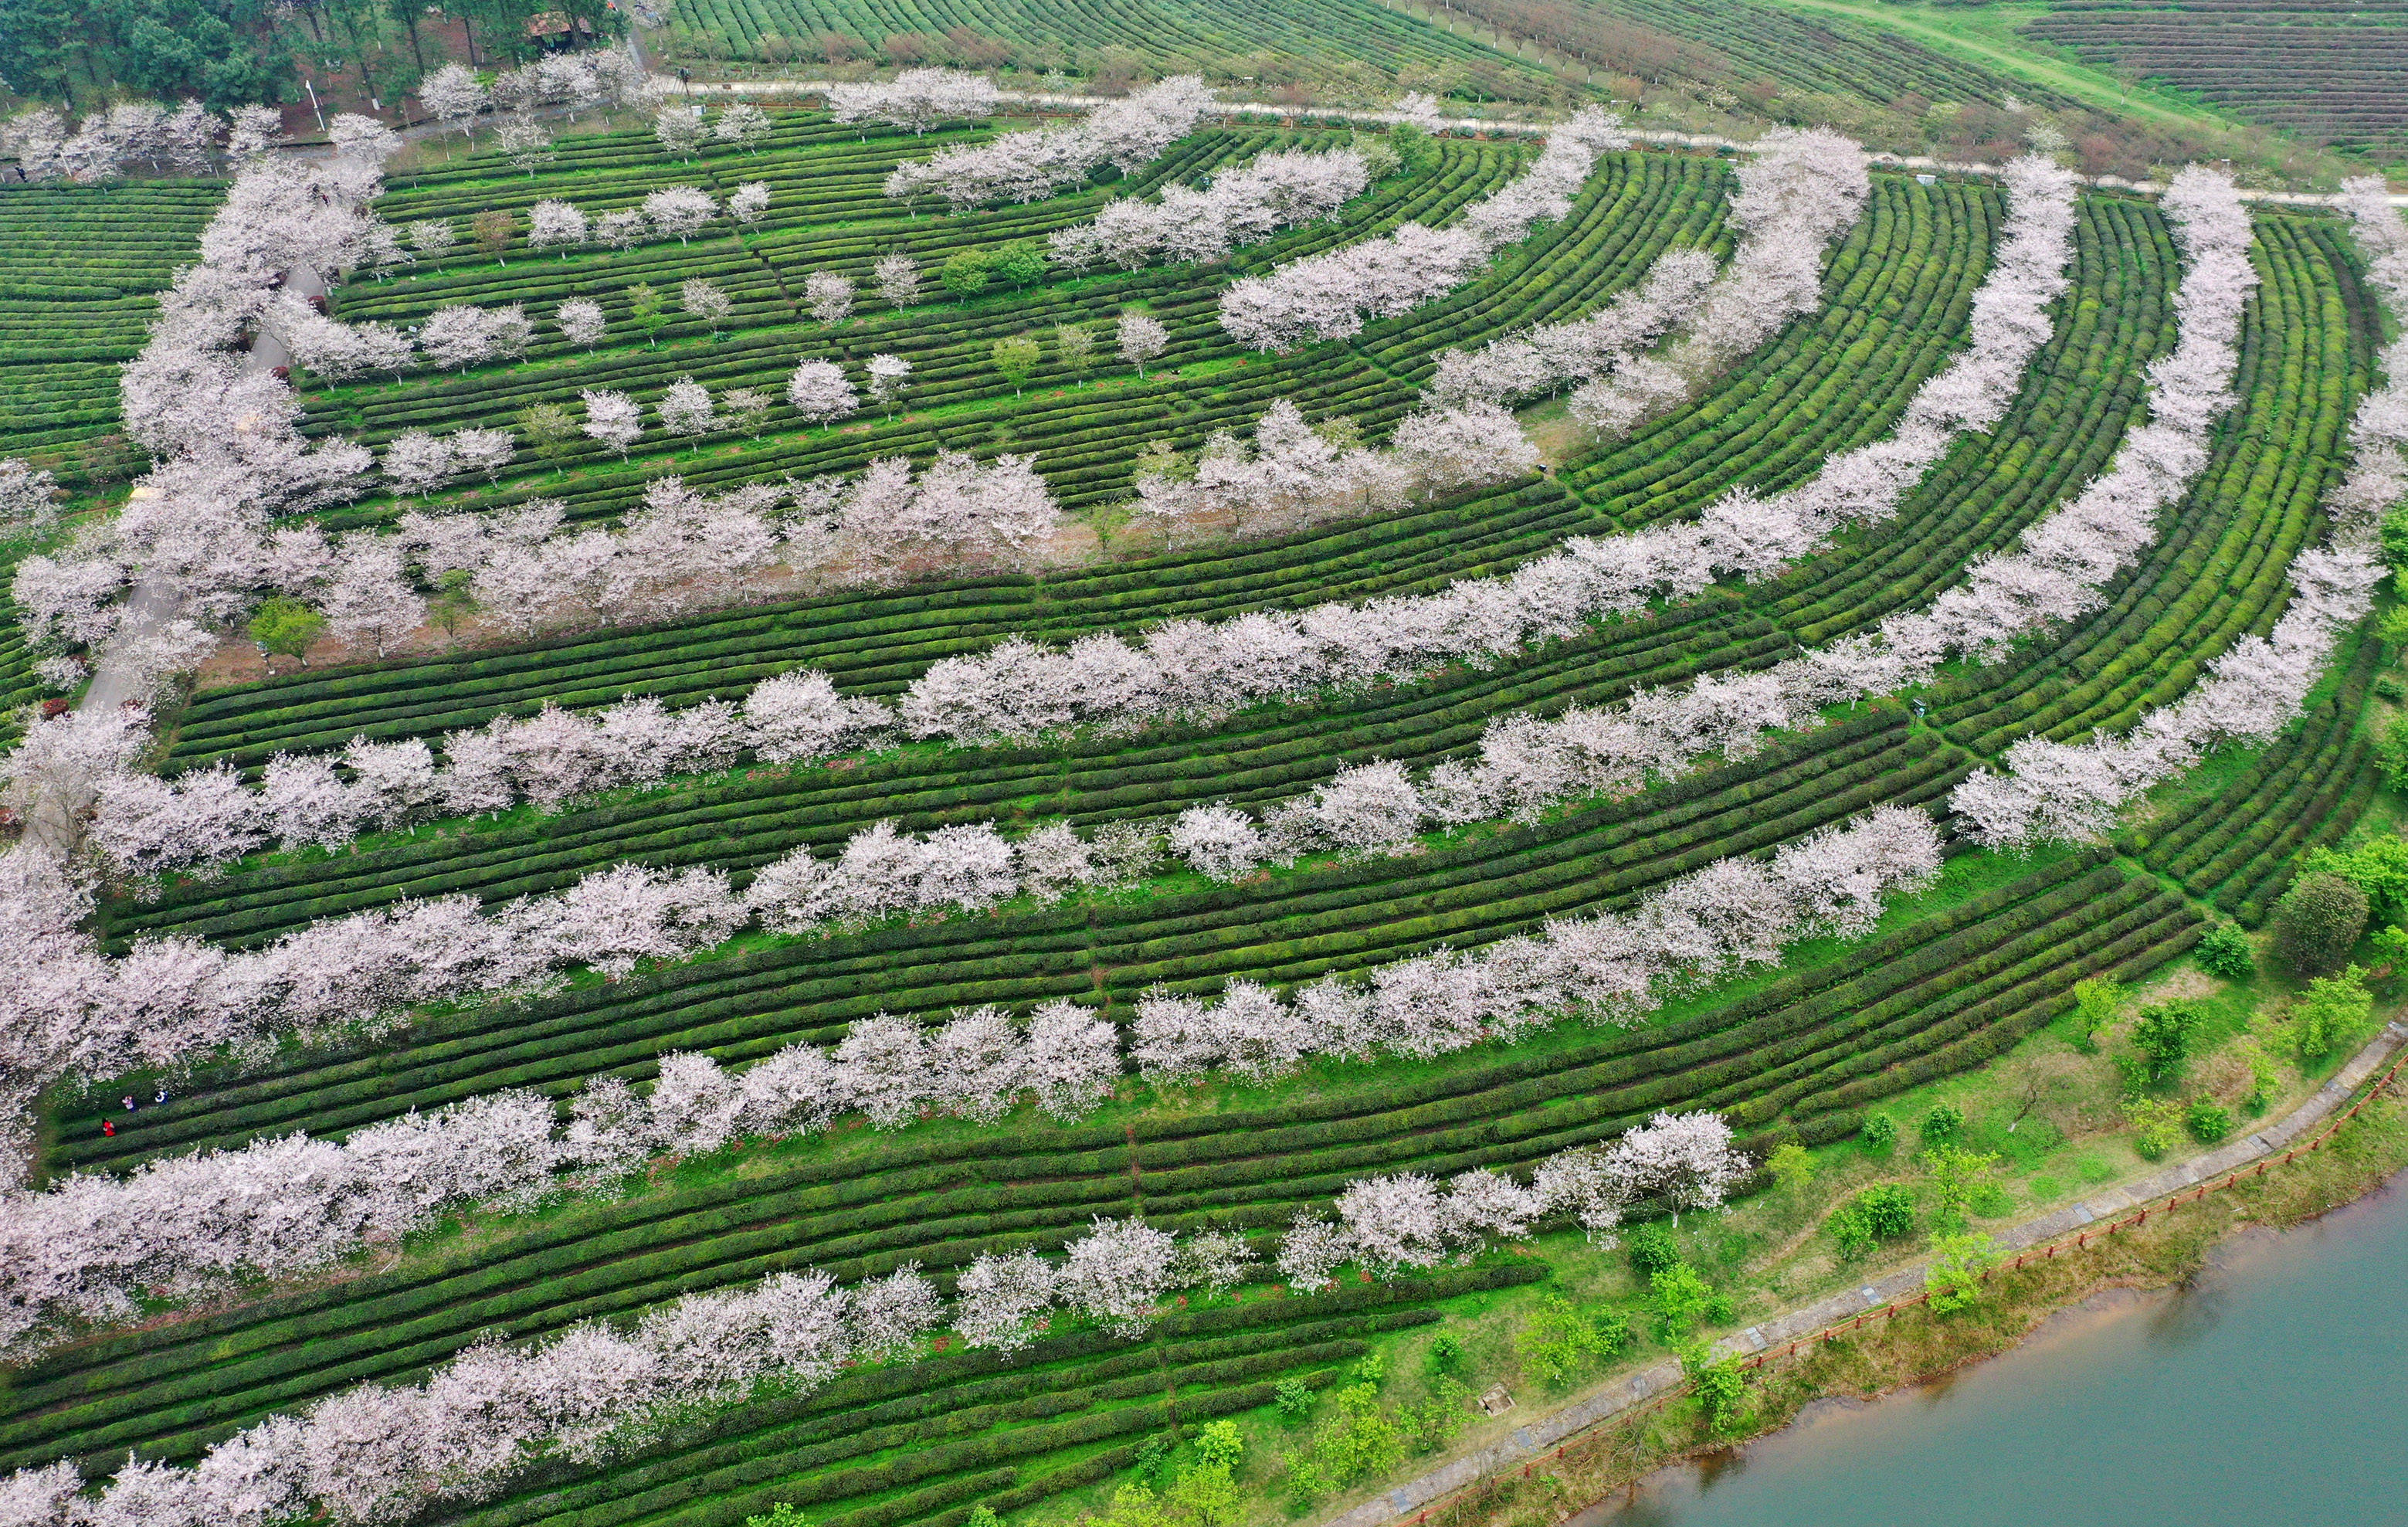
151	603
1545	1431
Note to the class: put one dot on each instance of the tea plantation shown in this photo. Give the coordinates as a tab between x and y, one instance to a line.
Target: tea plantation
1951	979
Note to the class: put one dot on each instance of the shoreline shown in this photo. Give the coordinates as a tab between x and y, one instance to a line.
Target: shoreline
1790	1348
2053	1332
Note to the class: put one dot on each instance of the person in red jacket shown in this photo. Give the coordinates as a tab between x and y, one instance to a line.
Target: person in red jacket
109	1128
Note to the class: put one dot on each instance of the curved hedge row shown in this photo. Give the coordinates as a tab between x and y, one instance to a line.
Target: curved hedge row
750	821
1803	1051
1642	204
79	269
2237	846
2216	574
1947	983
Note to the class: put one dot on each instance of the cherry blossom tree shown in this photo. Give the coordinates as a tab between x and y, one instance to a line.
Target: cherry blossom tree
582	322
29	497
613	418
685	407
899	278
453	97
889	377
417	461
1073	1058
1116	1273
916	100
747	408
1140	338
523	141
1002	1300
1328	295
887	1317
1281	189
749	202
829	296
819	392
743	124
555	223
701	300
1799	190
679	129
486	451
2076	792
1219	843
680	209
1312	1252
1029	166
1394	1223
622	228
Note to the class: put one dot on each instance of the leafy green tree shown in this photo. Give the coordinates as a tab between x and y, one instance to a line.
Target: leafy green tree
1791	1166
1558	1339
1943	1123
493	230
1021	264
1205	1495
2378	867
1882	1213
286	626
453	601
2096	1005
2163	1033
2208	1121
1720	1389
549	428
1880	1134
2391	748
1133	1506
2317	923
1679	1299
1361	1438
1956	1174
2223	951
1293	1396
1152	1458
1015	357
1650	1249
2394	535
784	1514
648	309
1445	1353
2332	1012
1219	1443
965	274
1076	345
1445	1412
2157	1124
1954	1279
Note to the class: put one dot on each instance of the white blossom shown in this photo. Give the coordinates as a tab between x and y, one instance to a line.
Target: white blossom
829	296
819	391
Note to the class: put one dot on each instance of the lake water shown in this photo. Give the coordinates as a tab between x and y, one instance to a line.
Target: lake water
2273	1393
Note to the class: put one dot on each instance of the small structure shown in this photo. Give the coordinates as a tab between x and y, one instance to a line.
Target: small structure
544	26
1496	1402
